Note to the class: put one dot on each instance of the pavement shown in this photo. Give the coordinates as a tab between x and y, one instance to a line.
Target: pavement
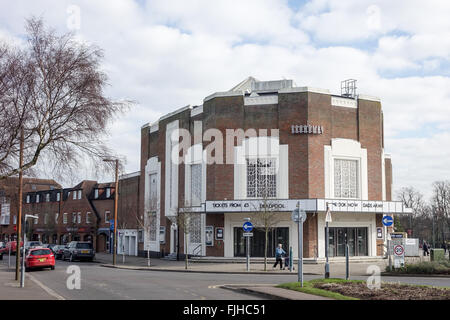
337	269
33	289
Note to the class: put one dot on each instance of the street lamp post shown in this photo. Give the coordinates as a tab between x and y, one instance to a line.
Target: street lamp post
327	219
116	197
22	278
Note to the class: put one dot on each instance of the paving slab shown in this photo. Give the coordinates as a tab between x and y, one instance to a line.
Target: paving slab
10	288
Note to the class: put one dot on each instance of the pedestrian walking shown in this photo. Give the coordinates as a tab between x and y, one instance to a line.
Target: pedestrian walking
425	249
279	252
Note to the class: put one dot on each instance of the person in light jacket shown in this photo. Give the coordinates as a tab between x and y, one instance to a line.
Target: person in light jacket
279	252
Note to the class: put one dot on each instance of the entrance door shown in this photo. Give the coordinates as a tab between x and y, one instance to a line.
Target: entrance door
274	237
356	238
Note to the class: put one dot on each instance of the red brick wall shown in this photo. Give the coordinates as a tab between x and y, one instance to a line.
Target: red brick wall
369	116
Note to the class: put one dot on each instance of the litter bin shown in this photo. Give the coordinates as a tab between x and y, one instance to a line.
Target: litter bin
437	254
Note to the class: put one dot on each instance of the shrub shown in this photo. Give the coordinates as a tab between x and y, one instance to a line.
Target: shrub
426	267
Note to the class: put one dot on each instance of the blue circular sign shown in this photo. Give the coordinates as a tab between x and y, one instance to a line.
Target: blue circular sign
247	226
387	221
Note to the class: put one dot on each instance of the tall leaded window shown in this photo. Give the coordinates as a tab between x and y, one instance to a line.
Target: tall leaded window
152	207
195	229
346	178
196	184
261	178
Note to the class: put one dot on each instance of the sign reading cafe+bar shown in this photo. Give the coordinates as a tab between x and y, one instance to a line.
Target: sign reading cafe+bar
307	129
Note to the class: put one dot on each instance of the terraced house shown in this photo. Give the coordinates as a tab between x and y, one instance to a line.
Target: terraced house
85	212
268	146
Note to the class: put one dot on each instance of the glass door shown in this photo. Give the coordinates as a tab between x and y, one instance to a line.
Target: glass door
362	242
351	239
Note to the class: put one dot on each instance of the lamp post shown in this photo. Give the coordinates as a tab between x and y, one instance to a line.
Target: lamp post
116	197
19	216
22	278
327	219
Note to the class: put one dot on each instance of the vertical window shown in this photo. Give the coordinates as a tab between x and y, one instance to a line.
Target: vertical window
58	196
346	178
37	198
88	217
65	218
74	217
5	212
15	220
36	220
47	197
79	217
74	195
107	216
28	198
79	194
195	235
261	178
95	193
152	225
56	217
108	192
196	184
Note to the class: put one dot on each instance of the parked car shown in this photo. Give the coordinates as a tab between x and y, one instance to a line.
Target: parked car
33	244
39	258
78	250
50	245
58	251
12	245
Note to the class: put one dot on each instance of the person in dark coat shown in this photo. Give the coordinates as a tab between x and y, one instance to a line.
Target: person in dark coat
425	249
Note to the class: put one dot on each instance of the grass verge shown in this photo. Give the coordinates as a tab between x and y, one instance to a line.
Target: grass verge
308	287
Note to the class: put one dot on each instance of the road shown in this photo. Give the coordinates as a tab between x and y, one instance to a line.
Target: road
100	283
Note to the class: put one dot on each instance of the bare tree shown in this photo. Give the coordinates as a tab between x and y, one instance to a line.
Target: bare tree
186	221
413	199
148	222
54	90
441	213
265	218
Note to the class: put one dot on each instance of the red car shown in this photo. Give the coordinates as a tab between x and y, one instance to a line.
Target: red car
39	258
13	245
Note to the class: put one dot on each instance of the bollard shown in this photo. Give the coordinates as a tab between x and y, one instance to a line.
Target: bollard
290	259
347	267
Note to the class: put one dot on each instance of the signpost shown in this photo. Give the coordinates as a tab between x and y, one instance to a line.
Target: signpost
248	226
327	219
299	216
387	221
399	256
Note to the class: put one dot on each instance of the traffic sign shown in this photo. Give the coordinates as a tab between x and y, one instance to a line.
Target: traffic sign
328	216
298	215
248	226
248	234
399	250
387	221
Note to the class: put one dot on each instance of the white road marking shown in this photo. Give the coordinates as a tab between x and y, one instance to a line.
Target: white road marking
47	289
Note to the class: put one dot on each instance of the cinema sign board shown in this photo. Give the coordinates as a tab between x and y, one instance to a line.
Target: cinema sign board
311	205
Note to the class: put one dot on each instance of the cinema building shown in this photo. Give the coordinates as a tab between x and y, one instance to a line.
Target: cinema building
281	146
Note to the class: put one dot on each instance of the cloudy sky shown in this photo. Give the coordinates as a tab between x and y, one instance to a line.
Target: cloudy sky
166	54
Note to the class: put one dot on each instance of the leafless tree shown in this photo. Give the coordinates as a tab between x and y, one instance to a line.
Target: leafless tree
53	89
265	218
148	222
186	223
441	213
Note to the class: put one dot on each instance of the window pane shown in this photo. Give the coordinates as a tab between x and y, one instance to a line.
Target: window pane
196	184
261	177
345	178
